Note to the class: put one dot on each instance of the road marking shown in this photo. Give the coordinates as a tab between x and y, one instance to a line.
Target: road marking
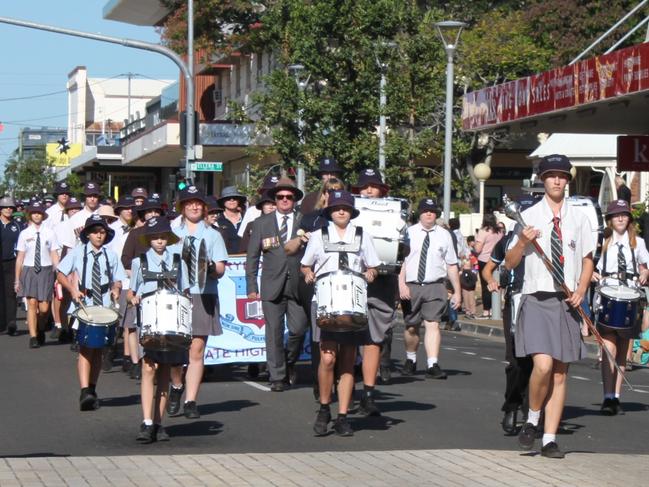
578	377
449	348
469	353
487	358
256	385
504	362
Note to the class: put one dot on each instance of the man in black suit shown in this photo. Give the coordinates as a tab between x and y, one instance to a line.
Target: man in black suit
279	280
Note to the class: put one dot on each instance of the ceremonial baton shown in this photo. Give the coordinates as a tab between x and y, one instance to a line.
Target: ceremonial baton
512	210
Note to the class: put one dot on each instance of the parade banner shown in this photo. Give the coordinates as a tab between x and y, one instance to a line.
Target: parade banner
601	78
242	321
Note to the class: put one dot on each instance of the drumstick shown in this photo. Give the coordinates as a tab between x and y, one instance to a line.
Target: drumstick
84	309
322	265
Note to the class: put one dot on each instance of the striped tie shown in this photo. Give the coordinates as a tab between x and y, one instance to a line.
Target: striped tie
283	230
96	280
621	262
193	264
37	254
557	252
421	271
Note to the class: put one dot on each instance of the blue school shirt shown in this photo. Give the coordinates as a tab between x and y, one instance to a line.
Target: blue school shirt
73	261
216	251
154	262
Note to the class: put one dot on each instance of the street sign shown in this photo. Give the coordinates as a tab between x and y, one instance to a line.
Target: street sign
206	166
633	153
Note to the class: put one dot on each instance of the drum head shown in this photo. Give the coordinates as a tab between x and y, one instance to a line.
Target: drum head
96	315
619	293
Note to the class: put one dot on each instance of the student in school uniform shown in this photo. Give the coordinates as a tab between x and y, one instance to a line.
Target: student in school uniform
36	262
92	274
159	268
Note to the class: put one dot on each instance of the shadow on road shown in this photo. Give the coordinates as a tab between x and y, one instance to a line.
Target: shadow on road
380	423
36	455
196	428
120	401
227	406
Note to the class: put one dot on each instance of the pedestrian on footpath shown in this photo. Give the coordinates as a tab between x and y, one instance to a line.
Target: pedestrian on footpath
548	324
36	263
485	241
9	232
624	259
422	287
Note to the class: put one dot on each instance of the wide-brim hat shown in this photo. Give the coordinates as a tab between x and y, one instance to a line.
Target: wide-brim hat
341	198
140	193
37	207
96	221
7	202
264	198
73	204
61	187
188	194
617	207
125	203
107	213
269	182
91	189
158	226
213	205
150	204
369	177
286	184
328	165
231	192
428	204
555	163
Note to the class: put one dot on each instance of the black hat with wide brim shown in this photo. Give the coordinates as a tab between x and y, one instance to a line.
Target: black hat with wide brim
340	198
286	184
158	226
96	221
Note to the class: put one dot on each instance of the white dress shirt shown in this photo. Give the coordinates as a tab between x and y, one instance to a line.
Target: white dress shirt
441	253
640	252
577	244
55	215
289	222
66	234
27	243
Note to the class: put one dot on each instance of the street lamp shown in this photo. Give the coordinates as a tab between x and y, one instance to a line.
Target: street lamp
446	30
296	71
482	171
383	68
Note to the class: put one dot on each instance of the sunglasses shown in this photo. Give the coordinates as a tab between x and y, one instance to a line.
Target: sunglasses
289	197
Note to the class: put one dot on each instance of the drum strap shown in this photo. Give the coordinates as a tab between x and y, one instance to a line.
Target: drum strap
82	284
615	274
160	276
354	247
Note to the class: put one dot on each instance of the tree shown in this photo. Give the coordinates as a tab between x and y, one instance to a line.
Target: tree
27	177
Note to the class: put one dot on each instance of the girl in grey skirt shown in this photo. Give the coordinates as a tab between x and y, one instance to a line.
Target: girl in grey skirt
35	263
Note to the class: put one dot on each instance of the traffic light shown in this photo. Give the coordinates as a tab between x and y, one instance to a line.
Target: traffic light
182	184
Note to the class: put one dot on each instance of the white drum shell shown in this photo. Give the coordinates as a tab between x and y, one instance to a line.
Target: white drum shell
341	294
165	314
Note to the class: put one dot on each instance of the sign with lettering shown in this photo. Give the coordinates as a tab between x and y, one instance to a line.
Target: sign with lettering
206	166
596	79
633	153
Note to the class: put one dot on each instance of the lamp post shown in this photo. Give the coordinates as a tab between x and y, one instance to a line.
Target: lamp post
482	171
383	68
450	46
296	71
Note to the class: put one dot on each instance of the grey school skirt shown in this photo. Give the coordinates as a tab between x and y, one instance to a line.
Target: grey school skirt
39	286
547	324
205	315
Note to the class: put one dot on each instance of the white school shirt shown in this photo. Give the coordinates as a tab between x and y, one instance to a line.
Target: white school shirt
55	215
117	243
441	253
65	231
27	243
251	214
640	251
577	244
315	255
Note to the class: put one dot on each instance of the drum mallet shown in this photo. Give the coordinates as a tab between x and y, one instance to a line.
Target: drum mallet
512	210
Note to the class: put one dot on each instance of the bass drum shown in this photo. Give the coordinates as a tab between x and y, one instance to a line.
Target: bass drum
591	210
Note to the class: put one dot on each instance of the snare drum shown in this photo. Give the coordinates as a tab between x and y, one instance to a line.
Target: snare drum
618	306
166	321
341	298
386	220
96	326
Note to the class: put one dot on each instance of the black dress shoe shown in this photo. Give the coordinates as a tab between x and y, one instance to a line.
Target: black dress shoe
11	331
608	407
408	368
435	372
291	374
33	342
190	410
135	372
509	422
55	333
342	427
618	406
278	386
107	359
88	400
367	406
173	405
161	433
526	436
385	374
551	450
320	427
147	434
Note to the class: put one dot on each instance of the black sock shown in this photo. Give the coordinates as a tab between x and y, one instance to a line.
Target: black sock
91	388
342	415
368	390
324	407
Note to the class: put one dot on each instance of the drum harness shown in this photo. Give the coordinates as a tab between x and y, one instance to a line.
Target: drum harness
164	278
623	276
342	248
109	273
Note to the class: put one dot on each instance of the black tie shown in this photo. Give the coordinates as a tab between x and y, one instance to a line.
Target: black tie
96	280
557	252
621	262
37	253
163	265
126	228
421	271
62	215
192	262
283	230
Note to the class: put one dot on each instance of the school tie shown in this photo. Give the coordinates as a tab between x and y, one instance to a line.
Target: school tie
164	267
621	261
283	230
192	261
62	215
96	280
557	252
126	229
421	271
37	254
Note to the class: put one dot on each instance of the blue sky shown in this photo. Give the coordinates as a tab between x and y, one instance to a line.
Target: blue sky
36	62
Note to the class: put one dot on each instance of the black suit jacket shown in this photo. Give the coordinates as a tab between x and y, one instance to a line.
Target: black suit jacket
277	266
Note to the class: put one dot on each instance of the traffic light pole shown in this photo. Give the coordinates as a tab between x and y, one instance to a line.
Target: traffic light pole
146	46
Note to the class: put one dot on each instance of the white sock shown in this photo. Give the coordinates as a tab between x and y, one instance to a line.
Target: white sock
533	417
412	356
617	395
177	387
547	438
57	325
148	422
431	361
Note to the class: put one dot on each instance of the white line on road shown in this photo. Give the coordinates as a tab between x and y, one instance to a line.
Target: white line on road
578	377
469	353
487	358
449	348
256	385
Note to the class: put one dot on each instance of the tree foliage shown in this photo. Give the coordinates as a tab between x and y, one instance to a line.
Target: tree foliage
27	177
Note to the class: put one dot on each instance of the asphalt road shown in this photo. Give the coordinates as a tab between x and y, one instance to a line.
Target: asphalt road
40	416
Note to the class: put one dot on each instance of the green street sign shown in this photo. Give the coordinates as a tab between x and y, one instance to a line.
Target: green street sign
206	166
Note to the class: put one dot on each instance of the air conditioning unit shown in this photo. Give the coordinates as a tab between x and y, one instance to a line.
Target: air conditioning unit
217	96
